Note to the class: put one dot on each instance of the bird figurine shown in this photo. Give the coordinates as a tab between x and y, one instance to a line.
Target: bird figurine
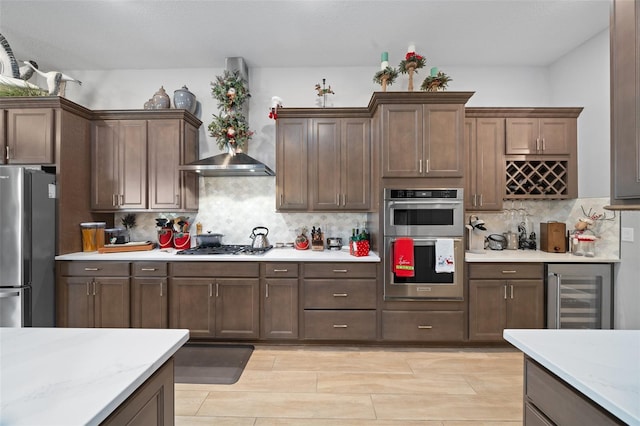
26	71
56	81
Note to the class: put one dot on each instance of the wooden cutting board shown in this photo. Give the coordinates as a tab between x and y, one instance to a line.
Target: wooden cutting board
133	246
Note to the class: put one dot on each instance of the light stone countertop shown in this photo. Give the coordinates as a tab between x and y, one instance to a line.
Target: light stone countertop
534	256
602	364
273	255
76	376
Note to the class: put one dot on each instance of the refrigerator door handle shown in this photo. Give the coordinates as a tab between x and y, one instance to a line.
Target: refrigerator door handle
7	294
557	278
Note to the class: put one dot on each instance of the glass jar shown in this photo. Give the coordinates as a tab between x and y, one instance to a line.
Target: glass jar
92	235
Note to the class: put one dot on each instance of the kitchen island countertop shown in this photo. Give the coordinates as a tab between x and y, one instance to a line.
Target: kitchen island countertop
273	255
73	376
534	256
601	364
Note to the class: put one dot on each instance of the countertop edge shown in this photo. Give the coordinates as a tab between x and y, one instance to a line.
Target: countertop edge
533	256
606	402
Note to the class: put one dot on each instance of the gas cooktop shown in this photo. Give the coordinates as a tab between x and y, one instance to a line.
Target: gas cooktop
225	249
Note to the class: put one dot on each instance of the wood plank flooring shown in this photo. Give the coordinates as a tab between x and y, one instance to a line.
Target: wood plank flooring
344	386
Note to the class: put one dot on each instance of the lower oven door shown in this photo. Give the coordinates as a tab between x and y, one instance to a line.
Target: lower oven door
426	282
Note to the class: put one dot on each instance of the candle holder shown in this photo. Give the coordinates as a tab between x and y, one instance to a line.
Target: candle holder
410	64
385	77
435	83
323	91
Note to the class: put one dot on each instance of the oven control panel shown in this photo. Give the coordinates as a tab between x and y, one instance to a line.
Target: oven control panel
455	193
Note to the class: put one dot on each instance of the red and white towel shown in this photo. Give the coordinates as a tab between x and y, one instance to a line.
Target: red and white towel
444	256
403	262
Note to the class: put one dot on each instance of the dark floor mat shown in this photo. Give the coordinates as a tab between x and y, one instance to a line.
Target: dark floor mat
211	364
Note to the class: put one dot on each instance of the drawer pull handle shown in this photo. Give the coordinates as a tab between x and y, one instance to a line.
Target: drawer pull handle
91	269
340	294
509	272
148	269
280	270
342	271
339	325
425	327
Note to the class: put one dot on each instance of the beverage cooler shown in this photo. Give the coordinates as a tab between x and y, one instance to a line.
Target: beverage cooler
579	295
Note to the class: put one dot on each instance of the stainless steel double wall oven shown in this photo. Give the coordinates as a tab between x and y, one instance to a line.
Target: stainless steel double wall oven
424	215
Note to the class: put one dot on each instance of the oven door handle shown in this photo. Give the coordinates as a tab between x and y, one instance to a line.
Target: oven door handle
429	240
423	202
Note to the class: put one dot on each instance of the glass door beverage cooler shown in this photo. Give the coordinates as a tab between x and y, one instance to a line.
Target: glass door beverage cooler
579	295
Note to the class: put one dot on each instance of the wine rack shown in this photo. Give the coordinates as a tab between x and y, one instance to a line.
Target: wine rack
546	179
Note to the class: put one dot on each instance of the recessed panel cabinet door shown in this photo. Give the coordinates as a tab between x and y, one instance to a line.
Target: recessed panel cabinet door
78	303
525	307
402	147
192	305
356	164
291	160
149	307
164	159
112	302
443	140
280	309
132	157
105	185
30	136
324	164
487	313
237	308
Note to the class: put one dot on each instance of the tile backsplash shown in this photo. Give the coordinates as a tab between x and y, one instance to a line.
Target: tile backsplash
533	212
233	206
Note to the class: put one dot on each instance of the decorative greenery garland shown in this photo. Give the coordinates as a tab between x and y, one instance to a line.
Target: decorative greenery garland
230	128
230	131
438	82
412	58
230	90
390	73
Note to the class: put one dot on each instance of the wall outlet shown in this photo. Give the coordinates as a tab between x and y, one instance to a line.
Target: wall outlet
626	234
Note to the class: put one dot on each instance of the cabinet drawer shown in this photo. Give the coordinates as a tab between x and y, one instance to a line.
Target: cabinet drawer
441	326
102	269
149	269
506	270
286	270
562	404
340	269
214	269
340	294
340	325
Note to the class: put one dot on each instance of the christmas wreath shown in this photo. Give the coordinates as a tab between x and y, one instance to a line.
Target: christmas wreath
435	83
230	90
230	131
411	60
389	74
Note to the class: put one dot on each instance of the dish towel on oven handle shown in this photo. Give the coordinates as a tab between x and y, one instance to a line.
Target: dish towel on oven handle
403	257
444	256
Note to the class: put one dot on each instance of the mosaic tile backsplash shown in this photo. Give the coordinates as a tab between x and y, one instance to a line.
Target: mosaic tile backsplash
532	213
233	206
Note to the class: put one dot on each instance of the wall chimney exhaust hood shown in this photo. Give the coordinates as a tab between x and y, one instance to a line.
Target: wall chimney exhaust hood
226	164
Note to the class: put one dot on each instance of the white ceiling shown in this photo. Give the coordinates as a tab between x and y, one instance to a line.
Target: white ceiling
159	34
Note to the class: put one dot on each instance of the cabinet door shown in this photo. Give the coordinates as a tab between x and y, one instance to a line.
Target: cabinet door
237	308
280	309
486	165
523	136
132	160
105	185
30	136
79	302
487	313
190	182
164	159
324	164
149	308
112	302
557	135
402	147
443	141
291	164
525	304
192	305
356	164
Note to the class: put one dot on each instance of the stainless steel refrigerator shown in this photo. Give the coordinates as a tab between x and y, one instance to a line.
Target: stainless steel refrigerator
27	247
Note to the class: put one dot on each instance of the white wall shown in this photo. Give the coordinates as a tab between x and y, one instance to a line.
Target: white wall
578	79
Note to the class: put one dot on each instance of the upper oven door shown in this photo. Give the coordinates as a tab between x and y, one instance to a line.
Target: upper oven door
429	218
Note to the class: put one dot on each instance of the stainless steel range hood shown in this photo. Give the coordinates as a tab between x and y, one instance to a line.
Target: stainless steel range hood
226	164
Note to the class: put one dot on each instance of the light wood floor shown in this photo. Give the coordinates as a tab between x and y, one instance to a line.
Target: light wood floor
343	386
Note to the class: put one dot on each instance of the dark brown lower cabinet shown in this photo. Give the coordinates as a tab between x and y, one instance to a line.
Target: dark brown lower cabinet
280	308
423	326
549	400
93	294
504	296
149	295
340	324
151	404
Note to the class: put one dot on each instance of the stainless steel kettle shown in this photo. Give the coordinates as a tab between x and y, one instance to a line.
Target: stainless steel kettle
260	240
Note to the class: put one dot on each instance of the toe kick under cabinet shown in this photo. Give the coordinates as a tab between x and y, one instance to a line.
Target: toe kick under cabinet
339	301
